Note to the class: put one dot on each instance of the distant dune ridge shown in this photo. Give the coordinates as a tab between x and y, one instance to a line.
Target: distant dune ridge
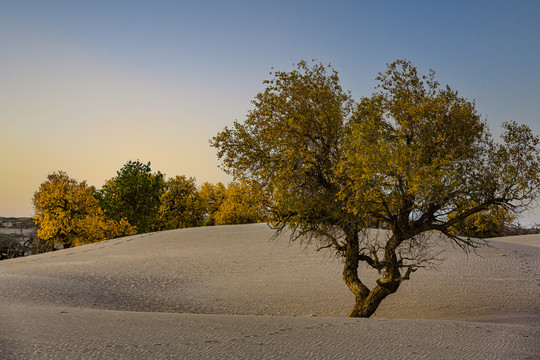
230	292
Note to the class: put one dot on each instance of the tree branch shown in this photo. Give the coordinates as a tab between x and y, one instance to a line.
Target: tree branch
399	280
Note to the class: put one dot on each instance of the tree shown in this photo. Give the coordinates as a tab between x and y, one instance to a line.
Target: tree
485	224
405	158
211	197
134	194
180	204
240	206
67	212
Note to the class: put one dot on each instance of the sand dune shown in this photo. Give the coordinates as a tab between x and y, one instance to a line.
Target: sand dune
229	292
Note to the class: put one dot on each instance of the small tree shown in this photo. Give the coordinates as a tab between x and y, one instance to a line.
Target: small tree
180	204
67	212
405	158
241	205
211	197
134	194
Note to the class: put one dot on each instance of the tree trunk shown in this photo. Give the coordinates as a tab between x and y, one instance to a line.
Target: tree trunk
367	301
350	270
365	307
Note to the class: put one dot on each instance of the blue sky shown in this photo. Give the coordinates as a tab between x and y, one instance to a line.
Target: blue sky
87	86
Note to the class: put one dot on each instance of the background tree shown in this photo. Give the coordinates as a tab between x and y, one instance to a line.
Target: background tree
406	158
485	224
242	205
211	197
180	204
67	212
134	194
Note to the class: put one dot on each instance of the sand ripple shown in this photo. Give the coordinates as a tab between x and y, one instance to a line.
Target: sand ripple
228	292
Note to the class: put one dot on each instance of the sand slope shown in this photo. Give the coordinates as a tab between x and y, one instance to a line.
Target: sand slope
228	291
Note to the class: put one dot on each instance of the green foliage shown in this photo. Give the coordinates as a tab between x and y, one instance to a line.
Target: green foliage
67	212
134	194
180	204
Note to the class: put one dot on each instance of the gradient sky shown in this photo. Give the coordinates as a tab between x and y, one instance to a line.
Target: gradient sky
87	86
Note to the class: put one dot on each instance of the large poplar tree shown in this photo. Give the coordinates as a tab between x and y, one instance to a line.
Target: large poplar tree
413	158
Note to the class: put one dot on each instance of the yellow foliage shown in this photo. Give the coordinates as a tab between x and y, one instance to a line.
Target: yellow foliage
211	196
67	212
484	224
242	205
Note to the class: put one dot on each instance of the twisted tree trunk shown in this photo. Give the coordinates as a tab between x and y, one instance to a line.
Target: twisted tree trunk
367	301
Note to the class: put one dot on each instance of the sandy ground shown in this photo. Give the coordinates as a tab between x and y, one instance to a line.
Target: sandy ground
228	292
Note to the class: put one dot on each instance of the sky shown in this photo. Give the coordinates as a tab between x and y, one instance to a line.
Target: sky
86	86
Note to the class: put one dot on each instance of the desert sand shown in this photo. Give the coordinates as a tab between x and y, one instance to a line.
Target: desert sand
230	292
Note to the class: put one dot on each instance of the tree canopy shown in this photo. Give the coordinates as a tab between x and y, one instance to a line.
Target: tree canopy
180	204
134	194
72	213
241	205
413	157
211	197
67	212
